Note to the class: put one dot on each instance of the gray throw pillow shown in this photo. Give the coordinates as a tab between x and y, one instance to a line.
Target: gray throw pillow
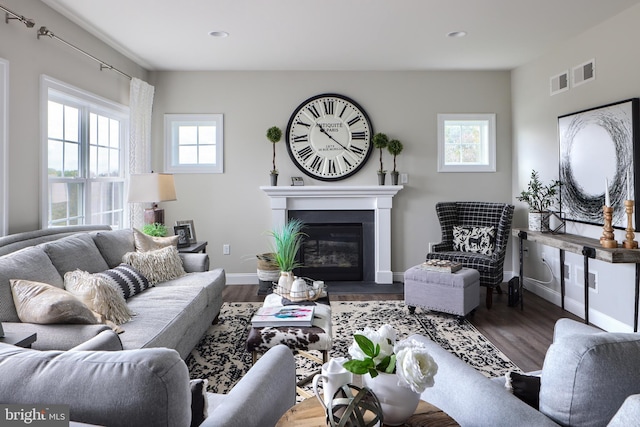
75	252
114	244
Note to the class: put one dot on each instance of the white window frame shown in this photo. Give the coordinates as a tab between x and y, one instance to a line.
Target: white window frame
98	105
4	140
171	161
489	165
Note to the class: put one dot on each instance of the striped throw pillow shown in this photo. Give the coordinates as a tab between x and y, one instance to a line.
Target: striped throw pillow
127	279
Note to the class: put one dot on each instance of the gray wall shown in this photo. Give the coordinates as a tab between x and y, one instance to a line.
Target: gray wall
535	115
230	208
28	59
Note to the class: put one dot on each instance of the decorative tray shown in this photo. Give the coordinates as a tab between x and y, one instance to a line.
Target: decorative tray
442	265
314	289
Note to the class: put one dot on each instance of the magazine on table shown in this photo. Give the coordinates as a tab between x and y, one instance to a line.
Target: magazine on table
290	315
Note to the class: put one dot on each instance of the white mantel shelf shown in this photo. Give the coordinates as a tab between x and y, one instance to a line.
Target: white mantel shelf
338	197
332	190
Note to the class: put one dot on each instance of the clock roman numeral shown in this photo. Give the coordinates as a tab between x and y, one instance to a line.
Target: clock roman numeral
328	106
354	121
356	150
358	135
305	153
300	138
300	122
342	112
332	166
316	164
314	111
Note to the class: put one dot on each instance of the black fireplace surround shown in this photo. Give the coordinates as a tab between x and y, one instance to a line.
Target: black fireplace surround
339	246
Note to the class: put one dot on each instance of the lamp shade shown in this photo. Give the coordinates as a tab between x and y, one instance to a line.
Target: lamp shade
151	188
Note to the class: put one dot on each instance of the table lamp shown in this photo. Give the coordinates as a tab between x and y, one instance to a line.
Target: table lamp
152	188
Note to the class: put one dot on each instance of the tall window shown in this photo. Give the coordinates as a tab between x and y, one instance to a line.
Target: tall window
85	150
466	143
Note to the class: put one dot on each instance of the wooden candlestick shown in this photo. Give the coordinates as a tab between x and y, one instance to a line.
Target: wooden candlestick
629	243
607	240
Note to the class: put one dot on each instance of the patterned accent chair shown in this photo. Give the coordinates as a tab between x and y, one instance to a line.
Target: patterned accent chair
475	214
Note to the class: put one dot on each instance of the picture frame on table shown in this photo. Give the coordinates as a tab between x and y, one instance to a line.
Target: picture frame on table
182	231
192	229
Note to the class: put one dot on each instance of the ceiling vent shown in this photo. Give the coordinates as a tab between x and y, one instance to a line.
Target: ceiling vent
560	83
584	73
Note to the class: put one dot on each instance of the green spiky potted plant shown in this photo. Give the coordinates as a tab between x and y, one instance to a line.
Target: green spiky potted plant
380	141
394	147
287	241
274	134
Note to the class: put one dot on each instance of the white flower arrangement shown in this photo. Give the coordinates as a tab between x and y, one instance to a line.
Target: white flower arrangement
377	351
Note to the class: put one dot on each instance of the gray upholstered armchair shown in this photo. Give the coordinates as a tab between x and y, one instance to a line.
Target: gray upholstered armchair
589	378
470	247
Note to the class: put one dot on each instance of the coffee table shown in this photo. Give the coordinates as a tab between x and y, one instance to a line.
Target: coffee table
300	340
310	413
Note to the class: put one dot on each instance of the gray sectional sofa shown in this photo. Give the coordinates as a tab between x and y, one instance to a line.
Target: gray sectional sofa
174	314
145	387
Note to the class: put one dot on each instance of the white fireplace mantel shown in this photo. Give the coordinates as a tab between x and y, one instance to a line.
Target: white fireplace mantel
323	197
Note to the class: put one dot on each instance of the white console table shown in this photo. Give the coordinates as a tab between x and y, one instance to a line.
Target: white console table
590	249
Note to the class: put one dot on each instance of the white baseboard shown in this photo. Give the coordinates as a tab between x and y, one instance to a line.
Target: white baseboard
242	278
575	307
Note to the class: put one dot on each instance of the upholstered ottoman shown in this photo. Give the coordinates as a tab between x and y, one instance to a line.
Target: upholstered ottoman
300	340
455	293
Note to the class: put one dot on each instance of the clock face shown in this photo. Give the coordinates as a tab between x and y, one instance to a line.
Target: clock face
329	137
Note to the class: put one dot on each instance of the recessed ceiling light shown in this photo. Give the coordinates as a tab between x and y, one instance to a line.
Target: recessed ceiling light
457	34
220	34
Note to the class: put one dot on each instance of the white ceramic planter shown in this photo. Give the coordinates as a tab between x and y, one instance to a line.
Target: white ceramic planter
538	221
398	403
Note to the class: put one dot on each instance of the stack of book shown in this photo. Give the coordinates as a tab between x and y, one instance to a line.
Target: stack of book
288	315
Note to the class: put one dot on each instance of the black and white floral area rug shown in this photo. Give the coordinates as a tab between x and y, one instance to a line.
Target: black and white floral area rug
221	356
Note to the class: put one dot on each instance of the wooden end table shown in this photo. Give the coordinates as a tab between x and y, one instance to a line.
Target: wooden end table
194	248
19	339
310	413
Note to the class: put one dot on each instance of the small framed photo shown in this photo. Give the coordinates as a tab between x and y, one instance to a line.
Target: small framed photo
181	231
192	230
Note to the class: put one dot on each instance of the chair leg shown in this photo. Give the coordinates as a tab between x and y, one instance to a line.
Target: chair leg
489	297
499	289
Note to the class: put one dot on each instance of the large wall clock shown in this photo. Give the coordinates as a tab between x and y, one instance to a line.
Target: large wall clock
329	137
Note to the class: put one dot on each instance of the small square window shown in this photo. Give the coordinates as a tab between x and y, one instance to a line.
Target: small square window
193	143
466	142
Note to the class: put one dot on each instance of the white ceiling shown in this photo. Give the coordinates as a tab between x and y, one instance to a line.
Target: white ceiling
335	34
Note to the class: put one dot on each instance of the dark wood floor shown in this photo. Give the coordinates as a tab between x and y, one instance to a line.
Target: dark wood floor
523	335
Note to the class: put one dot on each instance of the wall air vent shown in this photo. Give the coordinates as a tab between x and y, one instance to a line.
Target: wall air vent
559	83
583	73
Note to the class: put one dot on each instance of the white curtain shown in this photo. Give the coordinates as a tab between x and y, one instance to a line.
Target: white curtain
140	108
